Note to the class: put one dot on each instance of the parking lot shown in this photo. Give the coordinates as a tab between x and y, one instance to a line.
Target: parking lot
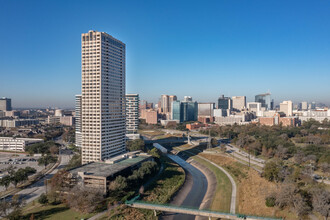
17	161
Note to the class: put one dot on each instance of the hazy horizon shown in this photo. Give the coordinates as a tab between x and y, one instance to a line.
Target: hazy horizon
195	48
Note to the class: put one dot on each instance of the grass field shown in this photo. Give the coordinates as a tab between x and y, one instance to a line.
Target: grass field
222	198
51	212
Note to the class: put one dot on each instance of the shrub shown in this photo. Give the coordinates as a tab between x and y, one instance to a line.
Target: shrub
270	201
43	199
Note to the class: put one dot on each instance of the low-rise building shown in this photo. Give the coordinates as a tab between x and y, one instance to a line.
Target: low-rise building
99	175
194	126
17	144
318	115
278	119
13	123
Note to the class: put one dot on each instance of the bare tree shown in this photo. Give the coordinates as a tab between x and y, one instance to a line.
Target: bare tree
321	202
300	205
281	152
84	199
286	194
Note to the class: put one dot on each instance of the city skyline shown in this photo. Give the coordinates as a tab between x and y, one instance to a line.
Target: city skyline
230	48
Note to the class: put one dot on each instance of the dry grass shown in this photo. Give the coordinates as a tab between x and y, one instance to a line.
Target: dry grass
252	188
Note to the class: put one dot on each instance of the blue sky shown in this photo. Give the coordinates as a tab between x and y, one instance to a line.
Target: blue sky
197	48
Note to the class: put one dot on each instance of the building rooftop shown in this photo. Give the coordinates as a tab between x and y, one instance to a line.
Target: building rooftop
105	169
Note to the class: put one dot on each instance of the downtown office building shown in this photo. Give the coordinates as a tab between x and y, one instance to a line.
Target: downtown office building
103	97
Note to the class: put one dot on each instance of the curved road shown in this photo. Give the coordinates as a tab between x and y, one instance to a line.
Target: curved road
193	191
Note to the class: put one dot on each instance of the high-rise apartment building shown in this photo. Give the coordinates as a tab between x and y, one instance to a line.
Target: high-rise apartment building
5	104
239	102
132	113
287	108
78	120
103	96
265	100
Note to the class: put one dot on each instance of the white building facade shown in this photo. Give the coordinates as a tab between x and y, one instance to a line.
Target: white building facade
17	144
103	97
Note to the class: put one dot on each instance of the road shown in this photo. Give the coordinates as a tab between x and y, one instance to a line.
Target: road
236	152
192	192
33	191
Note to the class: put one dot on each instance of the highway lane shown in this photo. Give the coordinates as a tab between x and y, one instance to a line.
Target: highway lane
192	192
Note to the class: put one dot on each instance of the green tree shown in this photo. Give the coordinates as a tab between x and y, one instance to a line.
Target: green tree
19	176
134	145
5	181
155	152
272	170
43	199
214	142
46	159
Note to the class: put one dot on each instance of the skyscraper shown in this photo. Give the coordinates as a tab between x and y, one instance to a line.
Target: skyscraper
132	113
103	96
78	120
224	102
171	99
265	100
5	104
164	103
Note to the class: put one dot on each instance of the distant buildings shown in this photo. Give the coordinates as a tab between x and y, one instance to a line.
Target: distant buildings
186	110
103	96
255	107
318	115
239	102
225	103
132	113
151	116
67	120
17	144
278	119
304	106
265	100
5	104
166	105
132	116
242	118
14	123
205	112
287	108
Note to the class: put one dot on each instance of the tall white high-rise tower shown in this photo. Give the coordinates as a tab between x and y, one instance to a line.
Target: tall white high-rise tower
103	96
